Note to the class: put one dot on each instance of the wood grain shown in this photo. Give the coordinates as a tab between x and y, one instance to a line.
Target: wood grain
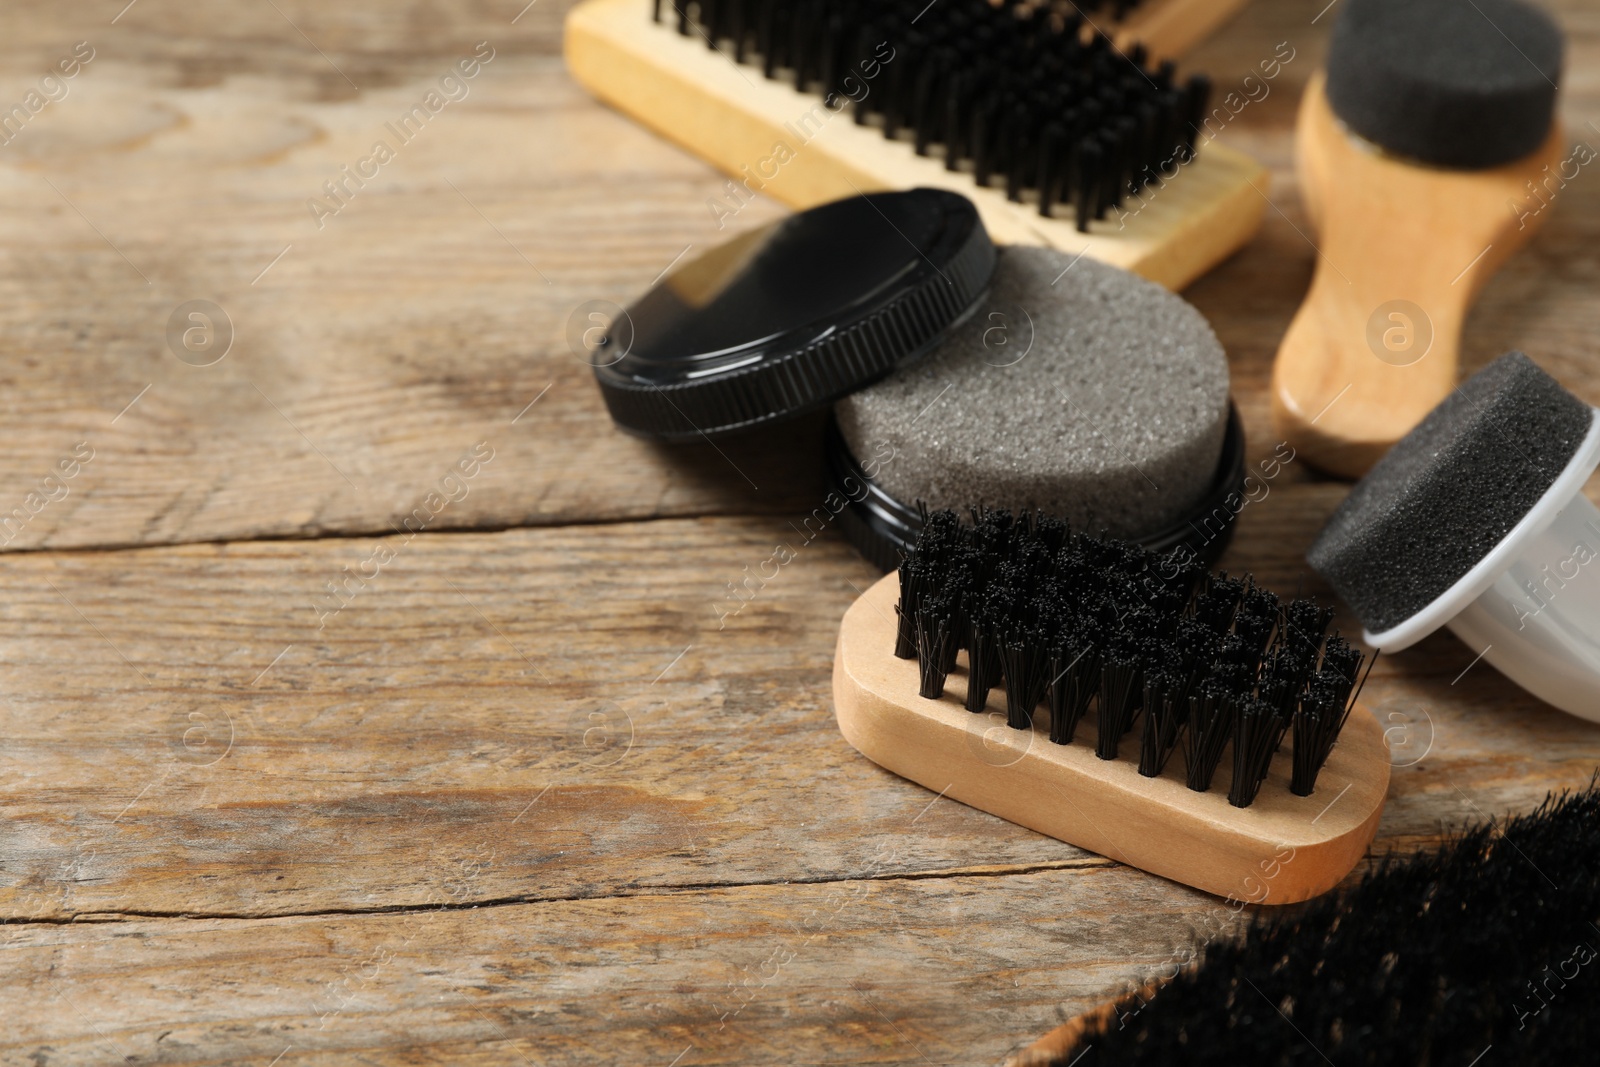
883	970
366	844
411	754
412	323
426	315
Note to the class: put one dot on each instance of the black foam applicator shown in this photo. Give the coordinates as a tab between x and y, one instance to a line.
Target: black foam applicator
1481	93
1450	491
1476	520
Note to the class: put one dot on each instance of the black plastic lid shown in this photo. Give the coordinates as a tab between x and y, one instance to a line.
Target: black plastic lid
884	529
791	317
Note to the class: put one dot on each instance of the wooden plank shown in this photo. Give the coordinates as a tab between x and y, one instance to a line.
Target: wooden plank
411	326
181	738
889	970
383	762
422	317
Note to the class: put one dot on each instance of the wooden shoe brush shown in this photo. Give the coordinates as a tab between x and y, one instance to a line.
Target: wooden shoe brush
1049	678
1028	109
1434	121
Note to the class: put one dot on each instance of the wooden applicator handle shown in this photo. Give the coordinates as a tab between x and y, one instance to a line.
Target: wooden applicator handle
1402	251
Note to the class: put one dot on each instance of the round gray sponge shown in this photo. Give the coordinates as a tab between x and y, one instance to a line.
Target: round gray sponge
1114	418
1456	83
1450	490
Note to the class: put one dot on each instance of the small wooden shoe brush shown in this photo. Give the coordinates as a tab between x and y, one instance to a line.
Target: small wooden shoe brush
1028	109
1110	660
1434	122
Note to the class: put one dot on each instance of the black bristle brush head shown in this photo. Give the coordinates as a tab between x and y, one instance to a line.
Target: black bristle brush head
1454	83
1150	644
1489	943
1026	96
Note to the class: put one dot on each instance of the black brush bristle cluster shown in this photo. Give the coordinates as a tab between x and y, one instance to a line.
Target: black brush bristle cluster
1155	645
1028	94
1489	943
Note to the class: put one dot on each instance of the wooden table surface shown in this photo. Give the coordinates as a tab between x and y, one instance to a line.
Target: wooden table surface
524	797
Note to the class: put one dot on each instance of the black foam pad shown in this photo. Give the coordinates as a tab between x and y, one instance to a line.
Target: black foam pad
1455	83
1450	491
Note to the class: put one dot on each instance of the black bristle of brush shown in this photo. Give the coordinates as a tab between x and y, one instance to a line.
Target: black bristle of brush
1120	685
1018	90
1192	661
1217	600
1331	694
912	580
983	660
1489	943
1210	728
1168	690
934	638
918	576
1024	660
1257	732
1163	721
1074	677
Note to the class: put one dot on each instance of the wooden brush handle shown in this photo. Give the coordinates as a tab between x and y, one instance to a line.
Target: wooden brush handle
1402	251
1170	28
1281	849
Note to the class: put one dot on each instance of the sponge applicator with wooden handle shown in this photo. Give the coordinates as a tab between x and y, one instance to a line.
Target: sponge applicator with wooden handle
1477	520
1433	117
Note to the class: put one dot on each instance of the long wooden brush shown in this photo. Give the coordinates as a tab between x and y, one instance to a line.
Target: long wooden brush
1062	130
